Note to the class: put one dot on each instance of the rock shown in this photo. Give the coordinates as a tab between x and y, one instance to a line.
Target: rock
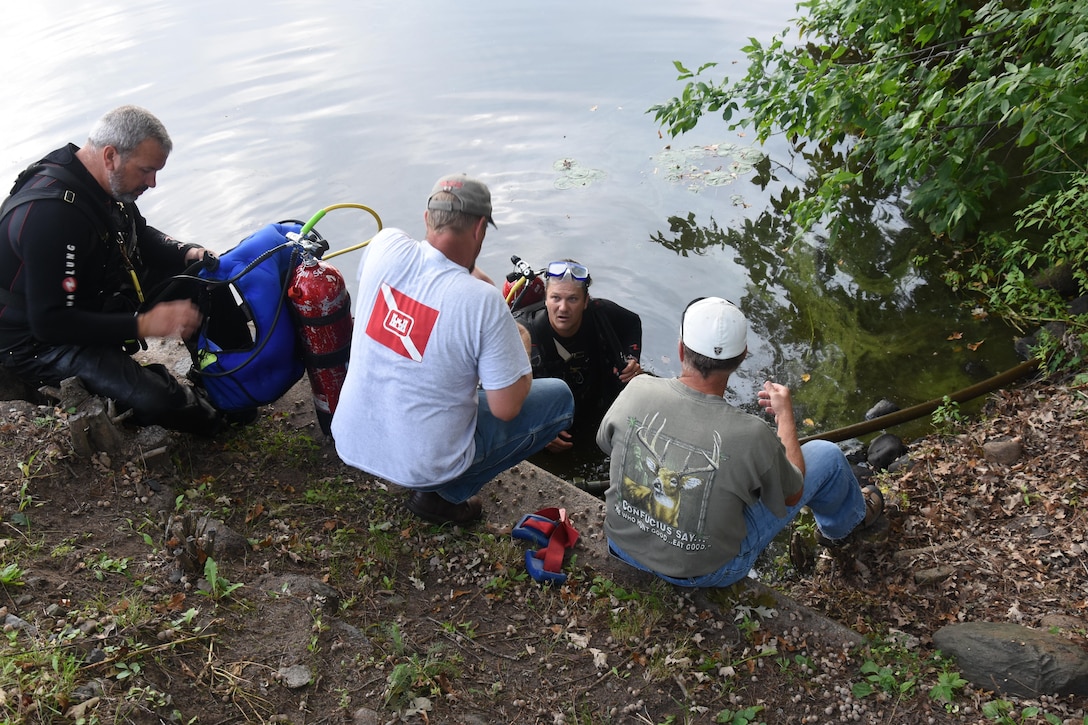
153	444
933	575
159	497
1024	345
1005	451
1059	278
297	585
295	676
884	450
365	716
882	407
1015	660
864	474
20	408
1062	621
11	622
89	690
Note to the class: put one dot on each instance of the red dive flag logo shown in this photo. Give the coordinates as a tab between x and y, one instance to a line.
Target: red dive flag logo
401	323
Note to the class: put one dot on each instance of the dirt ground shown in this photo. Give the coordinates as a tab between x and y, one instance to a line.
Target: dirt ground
329	603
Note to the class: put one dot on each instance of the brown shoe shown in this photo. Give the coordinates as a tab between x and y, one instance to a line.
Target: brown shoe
429	506
872	527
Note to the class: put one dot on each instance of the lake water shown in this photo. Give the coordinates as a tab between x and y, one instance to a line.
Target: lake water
280	108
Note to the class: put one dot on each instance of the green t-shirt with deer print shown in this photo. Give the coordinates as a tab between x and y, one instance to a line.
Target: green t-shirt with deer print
683	467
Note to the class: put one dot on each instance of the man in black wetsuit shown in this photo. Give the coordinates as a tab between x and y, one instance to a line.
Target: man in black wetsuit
77	262
593	344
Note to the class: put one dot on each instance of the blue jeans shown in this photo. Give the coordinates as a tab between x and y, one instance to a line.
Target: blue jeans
501	444
831	492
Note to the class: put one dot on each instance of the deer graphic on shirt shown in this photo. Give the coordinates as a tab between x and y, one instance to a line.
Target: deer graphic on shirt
667	469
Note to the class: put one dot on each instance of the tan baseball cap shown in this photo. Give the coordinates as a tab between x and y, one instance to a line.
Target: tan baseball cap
473	195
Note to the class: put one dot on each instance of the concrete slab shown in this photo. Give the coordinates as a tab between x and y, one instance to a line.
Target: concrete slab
527	488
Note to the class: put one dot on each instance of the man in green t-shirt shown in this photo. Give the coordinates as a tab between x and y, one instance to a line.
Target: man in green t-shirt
699	488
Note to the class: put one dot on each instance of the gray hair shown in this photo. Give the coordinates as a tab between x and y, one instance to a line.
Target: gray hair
127	127
440	219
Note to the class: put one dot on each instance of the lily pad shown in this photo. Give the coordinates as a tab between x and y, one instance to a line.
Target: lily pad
714	165
572	174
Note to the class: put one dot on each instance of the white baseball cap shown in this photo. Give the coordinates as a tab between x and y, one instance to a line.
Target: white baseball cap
715	328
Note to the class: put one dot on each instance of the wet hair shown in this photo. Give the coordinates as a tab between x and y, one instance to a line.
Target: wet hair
584	282
127	127
454	220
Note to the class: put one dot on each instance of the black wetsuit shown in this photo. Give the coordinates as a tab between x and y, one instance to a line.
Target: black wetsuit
68	299
588	360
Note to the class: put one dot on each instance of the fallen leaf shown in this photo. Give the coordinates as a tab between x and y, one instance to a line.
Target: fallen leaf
78	713
255	513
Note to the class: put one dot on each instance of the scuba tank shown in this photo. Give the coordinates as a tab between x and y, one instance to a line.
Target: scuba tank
321	308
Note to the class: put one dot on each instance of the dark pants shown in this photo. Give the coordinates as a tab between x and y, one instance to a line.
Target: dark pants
150	391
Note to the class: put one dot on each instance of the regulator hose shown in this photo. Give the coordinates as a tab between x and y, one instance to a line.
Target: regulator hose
917	411
308	226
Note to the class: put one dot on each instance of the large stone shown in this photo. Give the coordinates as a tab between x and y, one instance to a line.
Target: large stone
883	407
1005	450
1015	660
884	450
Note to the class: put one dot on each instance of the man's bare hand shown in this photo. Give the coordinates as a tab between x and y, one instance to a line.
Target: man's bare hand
633	369
775	400
176	318
562	442
195	254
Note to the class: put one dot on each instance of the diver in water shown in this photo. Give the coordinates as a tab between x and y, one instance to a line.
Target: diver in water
592	344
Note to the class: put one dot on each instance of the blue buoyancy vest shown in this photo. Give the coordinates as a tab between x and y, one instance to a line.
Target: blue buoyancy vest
247	353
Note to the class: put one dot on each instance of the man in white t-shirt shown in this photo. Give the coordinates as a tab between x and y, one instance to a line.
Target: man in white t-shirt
439	396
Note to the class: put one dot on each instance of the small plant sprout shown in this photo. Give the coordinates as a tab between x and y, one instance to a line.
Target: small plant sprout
217	586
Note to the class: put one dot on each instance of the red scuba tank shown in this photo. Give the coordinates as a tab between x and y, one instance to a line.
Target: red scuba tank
532	292
322	311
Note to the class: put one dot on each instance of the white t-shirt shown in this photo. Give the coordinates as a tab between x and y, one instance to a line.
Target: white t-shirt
426	334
